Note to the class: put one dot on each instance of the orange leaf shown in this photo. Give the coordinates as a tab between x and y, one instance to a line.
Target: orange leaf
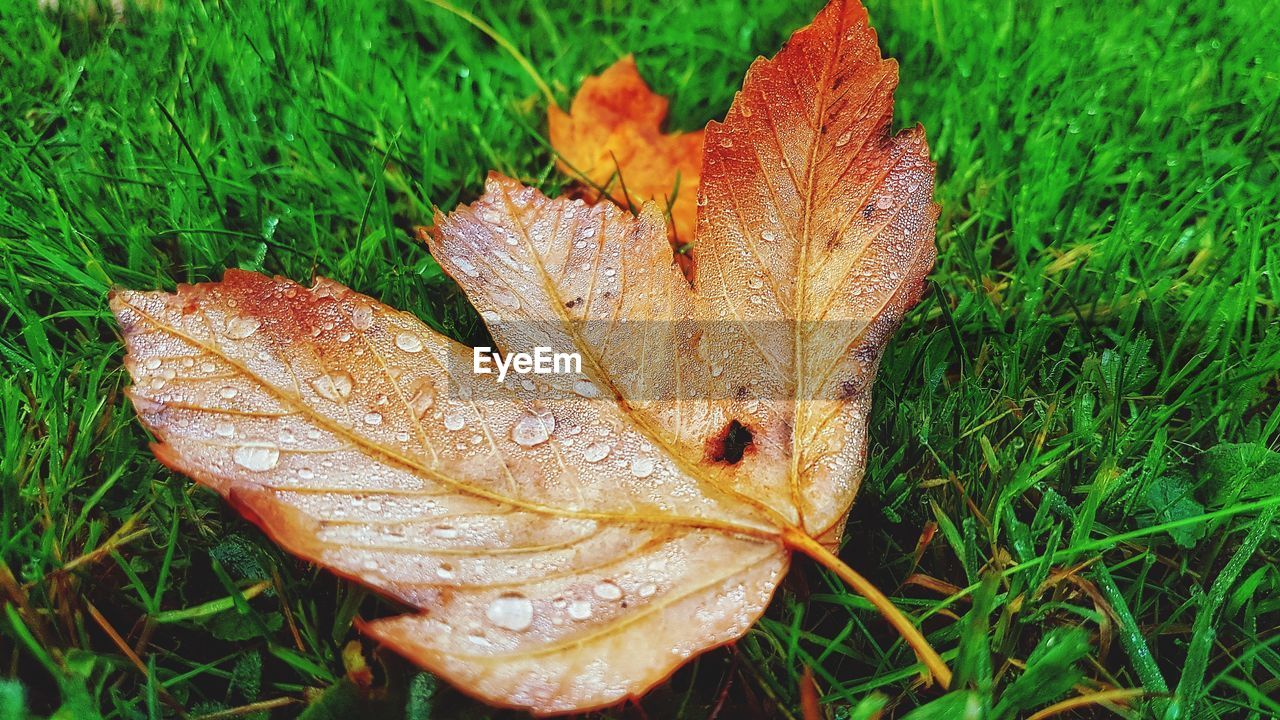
566	540
612	138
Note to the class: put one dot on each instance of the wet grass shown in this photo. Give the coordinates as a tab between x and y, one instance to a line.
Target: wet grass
1074	470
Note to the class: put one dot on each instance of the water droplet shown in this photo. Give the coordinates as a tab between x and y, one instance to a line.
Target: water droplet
445	571
595	452
491	316
607	590
579	609
844	138
422	395
511	611
153	363
768	236
257	456
476	636
647	590
361	317
884	202
306	473
334	387
642	467
466	267
454	421
373	418
755	282
239	327
531	430
586	388
224	429
409	342
445	532
228	392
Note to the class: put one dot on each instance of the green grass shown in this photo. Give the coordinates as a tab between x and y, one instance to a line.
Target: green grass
1084	407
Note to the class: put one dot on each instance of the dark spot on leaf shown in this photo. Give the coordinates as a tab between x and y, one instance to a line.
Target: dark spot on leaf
728	447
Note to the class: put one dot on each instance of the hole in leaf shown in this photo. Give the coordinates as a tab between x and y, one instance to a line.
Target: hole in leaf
730	444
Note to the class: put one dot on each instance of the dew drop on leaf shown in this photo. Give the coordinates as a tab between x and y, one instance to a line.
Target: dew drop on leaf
579	609
361	317
595	452
511	611
257	456
240	327
531	430
409	342
421	396
607	590
335	386
642	467
585	388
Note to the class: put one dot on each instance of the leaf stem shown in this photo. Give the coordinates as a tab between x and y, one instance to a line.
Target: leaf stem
797	539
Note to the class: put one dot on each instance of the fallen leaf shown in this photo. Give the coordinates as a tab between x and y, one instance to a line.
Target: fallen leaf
612	139
569	539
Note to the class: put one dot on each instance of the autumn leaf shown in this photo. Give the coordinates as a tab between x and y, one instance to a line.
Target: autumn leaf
567	540
612	139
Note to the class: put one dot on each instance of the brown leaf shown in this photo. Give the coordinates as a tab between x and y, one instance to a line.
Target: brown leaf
569	539
612	138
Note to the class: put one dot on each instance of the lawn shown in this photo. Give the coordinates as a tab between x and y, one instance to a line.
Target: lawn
1073	476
